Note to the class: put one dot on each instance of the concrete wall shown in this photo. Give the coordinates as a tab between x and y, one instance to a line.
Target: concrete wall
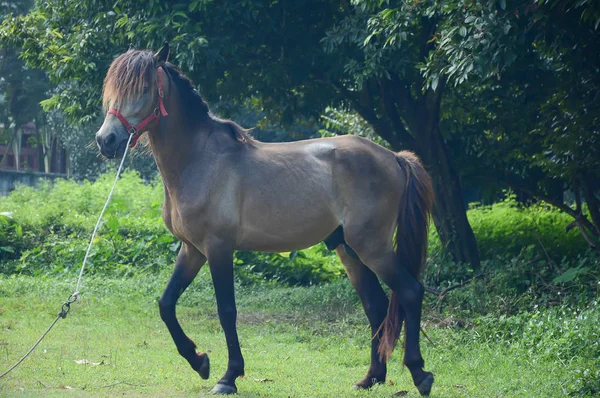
10	178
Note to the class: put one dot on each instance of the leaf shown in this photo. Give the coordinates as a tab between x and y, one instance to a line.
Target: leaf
463	31
193	5
570	274
502	4
86	362
122	21
165	239
180	14
434	82
113	224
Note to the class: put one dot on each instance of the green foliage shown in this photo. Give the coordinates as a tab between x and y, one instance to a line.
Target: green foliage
512	285
557	334
57	220
528	257
11	235
306	267
50	226
505	228
337	121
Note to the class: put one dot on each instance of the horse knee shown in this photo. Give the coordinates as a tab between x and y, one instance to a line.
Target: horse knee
227	312
166	308
413	293
376	310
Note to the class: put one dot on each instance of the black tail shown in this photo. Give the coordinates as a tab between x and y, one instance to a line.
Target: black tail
410	240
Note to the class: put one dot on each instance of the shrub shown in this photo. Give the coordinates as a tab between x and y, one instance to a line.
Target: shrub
11	236
306	267
50	228
505	228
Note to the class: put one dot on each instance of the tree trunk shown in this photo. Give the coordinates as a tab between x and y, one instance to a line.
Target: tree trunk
449	211
592	201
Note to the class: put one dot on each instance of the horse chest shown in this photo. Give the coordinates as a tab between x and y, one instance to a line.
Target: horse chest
190	224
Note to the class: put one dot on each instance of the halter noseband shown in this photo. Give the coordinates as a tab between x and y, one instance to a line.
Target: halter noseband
155	115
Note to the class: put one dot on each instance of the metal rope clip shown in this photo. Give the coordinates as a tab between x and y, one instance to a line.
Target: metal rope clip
66	307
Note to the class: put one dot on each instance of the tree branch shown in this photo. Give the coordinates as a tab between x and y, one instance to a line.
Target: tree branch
559	205
580	221
592	201
444	292
390	110
380	125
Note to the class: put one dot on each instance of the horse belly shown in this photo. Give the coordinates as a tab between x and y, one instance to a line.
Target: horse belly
284	230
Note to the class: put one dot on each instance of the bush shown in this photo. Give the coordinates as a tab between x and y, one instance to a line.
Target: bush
505	228
11	236
55	223
50	227
306	267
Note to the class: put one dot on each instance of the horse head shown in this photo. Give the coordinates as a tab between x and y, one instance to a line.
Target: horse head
133	94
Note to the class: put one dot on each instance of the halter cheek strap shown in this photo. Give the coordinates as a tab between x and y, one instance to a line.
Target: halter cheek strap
155	115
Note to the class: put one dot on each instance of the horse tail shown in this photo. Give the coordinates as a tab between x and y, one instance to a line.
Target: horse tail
410	240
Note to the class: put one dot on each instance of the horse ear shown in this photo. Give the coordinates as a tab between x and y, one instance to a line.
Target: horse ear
162	55
131	47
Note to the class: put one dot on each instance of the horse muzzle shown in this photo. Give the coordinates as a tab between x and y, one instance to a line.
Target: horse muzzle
111	145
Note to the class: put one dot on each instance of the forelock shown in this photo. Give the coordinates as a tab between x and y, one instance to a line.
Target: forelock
127	76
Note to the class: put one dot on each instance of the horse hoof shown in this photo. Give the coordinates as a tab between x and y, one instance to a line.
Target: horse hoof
425	386
223	389
367	383
204	368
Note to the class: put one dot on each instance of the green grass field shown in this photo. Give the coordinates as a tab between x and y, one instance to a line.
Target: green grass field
297	342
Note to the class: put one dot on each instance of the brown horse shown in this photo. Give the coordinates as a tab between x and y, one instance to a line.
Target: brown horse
225	191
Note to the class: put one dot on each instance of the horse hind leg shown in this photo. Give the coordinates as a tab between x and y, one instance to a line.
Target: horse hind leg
375	304
189	262
409	293
408	296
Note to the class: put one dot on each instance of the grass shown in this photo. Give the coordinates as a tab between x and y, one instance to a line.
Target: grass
297	342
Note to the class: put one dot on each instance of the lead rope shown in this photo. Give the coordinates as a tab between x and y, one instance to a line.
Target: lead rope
75	295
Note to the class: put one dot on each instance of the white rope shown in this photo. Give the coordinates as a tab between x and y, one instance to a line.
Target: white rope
74	296
98	223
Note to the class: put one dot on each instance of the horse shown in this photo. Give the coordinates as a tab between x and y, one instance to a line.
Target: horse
226	191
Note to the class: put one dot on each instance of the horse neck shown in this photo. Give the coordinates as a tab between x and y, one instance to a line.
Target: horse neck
173	146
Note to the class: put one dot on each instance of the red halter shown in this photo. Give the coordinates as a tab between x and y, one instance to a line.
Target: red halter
155	115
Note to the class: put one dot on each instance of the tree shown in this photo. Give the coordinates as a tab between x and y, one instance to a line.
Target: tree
21	88
401	65
534	126
293	58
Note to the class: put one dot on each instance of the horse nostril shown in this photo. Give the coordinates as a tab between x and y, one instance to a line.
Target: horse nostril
110	139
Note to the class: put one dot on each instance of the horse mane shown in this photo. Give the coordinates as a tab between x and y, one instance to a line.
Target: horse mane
127	76
132	71
193	102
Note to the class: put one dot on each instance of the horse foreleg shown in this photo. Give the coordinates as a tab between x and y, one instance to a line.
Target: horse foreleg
375	304
189	262
220	261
